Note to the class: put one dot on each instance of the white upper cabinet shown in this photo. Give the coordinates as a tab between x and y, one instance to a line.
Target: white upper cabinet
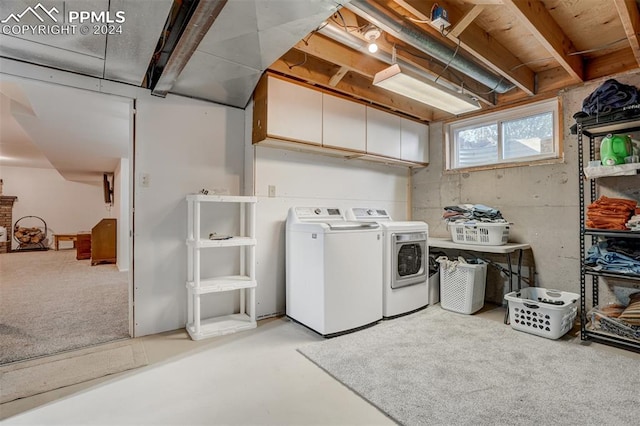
414	141
291	116
343	124
383	133
294	112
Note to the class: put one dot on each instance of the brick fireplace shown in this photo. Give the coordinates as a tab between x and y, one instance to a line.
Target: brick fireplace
6	220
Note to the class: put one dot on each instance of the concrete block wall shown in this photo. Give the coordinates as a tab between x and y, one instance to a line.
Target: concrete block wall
541	201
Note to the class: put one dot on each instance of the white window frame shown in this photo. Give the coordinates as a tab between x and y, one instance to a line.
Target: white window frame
497	118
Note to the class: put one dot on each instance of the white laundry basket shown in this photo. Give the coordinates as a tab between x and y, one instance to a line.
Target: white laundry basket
480	233
462	286
543	312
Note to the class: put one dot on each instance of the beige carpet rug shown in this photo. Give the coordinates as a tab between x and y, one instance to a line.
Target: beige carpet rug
20	380
437	367
50	303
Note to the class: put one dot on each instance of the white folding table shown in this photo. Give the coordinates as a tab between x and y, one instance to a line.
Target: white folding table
506	249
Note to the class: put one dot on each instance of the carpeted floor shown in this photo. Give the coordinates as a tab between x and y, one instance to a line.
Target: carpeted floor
50	302
439	367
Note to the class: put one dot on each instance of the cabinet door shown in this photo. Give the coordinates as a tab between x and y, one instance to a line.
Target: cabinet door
294	112
343	124
414	141
383	133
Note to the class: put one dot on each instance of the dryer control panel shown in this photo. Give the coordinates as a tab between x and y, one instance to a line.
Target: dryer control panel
380	215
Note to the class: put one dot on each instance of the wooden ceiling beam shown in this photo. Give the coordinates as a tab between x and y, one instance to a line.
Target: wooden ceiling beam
477	42
630	18
331	51
352	85
614	63
466	20
537	19
548	82
335	79
341	55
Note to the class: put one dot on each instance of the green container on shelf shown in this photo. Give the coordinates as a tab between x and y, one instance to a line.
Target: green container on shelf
614	149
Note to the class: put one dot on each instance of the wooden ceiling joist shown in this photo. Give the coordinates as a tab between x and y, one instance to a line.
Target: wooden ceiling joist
537	19
341	55
630	18
611	64
331	51
474	40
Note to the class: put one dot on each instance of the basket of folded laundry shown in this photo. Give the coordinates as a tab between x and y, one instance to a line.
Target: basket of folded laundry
462	284
476	224
543	312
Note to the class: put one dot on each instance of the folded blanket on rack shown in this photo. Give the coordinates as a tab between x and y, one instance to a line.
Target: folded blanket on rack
610	213
604	257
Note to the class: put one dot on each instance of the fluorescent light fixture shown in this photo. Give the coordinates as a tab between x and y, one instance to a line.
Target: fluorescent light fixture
425	91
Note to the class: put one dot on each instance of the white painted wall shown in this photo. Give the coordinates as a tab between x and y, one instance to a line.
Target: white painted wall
67	207
541	201
303	179
183	145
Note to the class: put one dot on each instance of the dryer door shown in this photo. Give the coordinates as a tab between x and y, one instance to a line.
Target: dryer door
409	260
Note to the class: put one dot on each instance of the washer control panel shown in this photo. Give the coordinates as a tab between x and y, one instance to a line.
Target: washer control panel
318	213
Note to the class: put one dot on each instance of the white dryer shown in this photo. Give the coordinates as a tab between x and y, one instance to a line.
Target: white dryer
406	261
333	270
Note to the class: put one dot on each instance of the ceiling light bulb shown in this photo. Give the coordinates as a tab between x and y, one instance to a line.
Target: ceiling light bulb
371	34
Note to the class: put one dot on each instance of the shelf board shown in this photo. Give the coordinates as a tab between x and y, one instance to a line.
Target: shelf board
232	242
612	233
611	127
611	274
222	198
219	326
219	284
630	169
606	337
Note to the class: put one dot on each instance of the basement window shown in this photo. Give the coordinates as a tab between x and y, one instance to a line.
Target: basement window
524	135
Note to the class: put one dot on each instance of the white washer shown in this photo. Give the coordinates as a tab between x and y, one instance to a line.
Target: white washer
333	270
406	267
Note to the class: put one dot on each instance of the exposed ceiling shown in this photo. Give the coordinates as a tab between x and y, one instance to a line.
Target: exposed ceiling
498	51
536	47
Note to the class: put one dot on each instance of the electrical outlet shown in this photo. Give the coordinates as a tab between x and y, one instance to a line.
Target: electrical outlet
272	190
145	180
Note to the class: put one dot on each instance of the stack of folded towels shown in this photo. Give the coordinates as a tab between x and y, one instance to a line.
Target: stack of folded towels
610	213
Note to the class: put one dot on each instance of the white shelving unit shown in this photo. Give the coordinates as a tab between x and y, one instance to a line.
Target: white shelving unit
245	282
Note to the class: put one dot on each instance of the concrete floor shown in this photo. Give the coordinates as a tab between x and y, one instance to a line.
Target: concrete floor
253	377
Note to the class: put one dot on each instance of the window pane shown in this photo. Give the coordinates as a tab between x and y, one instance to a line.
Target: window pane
529	136
477	145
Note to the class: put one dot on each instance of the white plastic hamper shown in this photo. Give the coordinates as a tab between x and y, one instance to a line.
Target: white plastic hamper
462	287
546	313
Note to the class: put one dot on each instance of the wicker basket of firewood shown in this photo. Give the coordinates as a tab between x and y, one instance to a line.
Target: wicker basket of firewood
30	232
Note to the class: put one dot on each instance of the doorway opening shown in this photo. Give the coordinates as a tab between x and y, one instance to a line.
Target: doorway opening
56	145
